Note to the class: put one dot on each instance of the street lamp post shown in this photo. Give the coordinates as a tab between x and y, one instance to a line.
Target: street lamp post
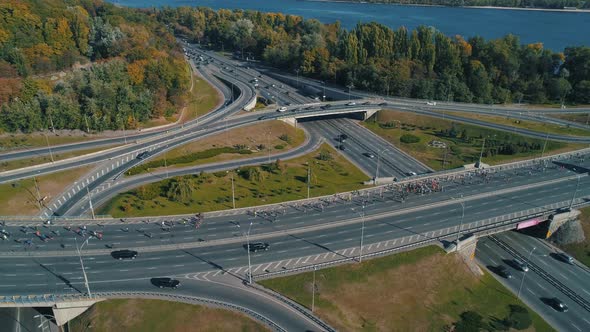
461	223
377	167
90	202
49	148
481	153
324	94
297	72
545	144
248	251
308	178
575	192
82	264
349	86
313	292
233	191
362	214
524	273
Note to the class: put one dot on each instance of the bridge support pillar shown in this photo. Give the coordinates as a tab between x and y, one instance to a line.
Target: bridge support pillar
369	113
465	248
556	220
291	121
64	312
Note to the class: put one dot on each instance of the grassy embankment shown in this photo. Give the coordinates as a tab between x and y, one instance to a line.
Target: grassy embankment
253	186
459	151
581	251
245	142
582	118
420	290
19	198
523	124
20	163
156	316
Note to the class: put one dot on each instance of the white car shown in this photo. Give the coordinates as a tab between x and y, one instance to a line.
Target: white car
431	103
351	104
282	109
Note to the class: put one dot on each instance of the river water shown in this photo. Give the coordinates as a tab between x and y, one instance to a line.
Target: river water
555	30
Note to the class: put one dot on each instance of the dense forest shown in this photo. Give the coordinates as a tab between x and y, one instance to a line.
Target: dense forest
123	66
549	4
423	63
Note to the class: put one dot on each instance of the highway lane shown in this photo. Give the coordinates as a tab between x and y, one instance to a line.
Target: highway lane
332	212
361	143
535	290
413	215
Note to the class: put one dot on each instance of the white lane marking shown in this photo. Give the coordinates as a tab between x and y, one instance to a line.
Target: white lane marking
266	267
561	274
257	267
306	259
36	284
531	291
179	265
577	328
588	322
123	270
151	268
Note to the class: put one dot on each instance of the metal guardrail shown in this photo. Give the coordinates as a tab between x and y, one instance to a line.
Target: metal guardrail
50	300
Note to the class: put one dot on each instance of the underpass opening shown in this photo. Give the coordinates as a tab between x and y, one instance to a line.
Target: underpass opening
354	116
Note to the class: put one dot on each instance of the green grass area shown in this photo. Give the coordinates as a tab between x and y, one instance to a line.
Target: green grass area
23	141
156	316
524	124
583	118
421	290
581	251
256	185
463	141
247	142
202	99
20	197
20	163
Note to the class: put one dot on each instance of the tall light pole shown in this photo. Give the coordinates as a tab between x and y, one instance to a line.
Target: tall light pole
462	218
249	261
349	86
575	192
377	167
481	153
268	145
524	273
90	202
233	192
545	144
308	179
362	214
165	164
297	73
82	264
324	95
313	292
49	148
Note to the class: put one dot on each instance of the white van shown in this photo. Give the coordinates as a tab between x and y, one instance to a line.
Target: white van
282	109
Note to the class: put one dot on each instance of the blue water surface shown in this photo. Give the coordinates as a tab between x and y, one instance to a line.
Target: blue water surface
555	30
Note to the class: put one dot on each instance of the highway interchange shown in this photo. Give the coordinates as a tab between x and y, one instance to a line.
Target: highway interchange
406	212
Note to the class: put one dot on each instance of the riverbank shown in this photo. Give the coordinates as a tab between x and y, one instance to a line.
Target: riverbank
565	10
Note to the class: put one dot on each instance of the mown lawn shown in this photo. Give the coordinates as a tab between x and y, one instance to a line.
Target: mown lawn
518	123
20	197
213	191
157	316
20	163
391	125
421	290
244	142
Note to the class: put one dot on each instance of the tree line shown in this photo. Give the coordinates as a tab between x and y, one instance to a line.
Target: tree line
132	68
548	4
423	63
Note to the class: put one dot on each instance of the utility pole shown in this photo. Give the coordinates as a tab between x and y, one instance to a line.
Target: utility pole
297	73
87	126
362	233
545	144
461	224
165	164
268	145
349	86
233	192
248	247
38	194
324	95
524	273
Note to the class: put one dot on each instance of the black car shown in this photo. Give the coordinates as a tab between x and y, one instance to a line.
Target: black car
558	305
382	104
341	147
503	272
143	155
565	258
257	246
124	254
165	282
326	106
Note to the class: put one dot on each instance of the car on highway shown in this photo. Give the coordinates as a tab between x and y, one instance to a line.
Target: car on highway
124	254
165	282
325	107
341	147
504	272
257	246
352	103
382	104
369	155
558	305
565	258
431	103
143	155
282	109
522	266
4	234
411	174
